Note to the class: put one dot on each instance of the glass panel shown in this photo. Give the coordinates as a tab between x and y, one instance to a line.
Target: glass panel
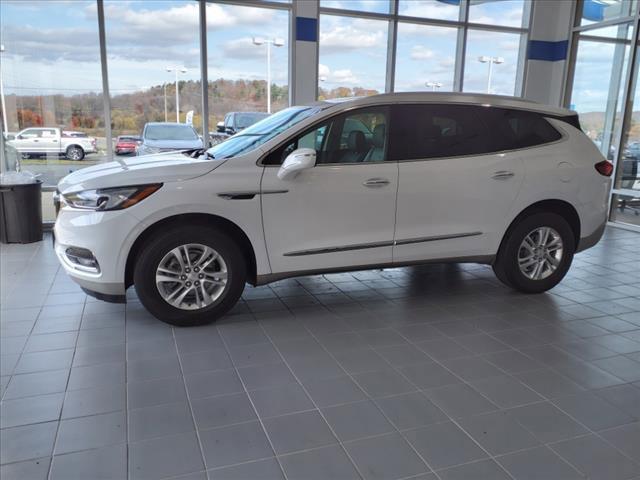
491	63
425	57
51	78
499	12
353	56
628	174
147	60
625	209
594	11
246	46
599	103
375	6
429	9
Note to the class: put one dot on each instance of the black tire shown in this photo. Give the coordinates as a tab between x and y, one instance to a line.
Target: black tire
506	265
74	152
151	255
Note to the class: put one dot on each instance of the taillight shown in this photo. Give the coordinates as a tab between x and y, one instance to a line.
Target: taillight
604	167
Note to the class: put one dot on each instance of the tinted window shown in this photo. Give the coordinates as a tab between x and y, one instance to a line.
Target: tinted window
435	131
170	132
353	137
513	129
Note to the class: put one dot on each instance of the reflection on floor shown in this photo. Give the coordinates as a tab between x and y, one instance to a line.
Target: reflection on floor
386	374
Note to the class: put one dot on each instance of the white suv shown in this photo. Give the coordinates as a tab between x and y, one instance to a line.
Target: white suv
388	180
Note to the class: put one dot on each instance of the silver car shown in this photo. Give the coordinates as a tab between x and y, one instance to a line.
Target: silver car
160	137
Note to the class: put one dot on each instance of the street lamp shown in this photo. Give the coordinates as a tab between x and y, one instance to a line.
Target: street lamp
490	61
4	107
276	42
177	70
434	85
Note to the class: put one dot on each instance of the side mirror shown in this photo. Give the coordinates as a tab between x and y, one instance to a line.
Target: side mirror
296	161
220	127
19	137
230	130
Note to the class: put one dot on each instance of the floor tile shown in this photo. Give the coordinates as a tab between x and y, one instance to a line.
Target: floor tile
444	445
595	458
263	469
38	383
159	421
234	444
383	383
210	383
91	432
272	402
165	456
498	433
384	458
547	422
626	439
93	401
25	411
460	400
155	392
298	431
593	411
106	462
357	420
30	470
506	391
222	410
334	391
410	410
480	470
266	376
538	464
27	442
319	464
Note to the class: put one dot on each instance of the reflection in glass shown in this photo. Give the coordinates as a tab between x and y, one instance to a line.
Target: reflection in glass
628	174
425	58
353	56
429	9
597	92
625	209
238	65
510	13
491	63
52	78
375	6
594	11
149	59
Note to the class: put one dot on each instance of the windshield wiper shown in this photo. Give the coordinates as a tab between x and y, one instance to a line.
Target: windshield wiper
196	152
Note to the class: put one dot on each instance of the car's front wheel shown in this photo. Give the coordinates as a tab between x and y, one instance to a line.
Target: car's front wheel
536	253
189	276
74	153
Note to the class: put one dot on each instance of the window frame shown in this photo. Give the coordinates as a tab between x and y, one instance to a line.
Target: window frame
562	132
329	118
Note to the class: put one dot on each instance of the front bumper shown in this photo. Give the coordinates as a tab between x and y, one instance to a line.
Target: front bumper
107	236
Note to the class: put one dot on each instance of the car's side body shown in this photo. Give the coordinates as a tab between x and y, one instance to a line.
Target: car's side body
50	141
346	216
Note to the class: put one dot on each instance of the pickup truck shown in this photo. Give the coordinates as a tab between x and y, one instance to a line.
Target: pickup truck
37	141
233	123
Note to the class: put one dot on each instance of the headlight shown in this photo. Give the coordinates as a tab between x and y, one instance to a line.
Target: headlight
105	199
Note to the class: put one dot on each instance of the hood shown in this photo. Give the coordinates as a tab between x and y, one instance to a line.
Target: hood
159	168
173	144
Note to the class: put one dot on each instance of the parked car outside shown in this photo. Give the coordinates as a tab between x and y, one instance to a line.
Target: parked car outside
158	137
39	141
126	144
233	123
383	181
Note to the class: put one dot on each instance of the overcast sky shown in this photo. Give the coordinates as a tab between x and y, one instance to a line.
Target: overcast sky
52	46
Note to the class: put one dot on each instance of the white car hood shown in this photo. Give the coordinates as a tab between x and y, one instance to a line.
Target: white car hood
159	168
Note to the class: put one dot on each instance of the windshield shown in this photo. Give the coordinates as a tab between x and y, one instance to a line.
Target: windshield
261	132
170	132
244	120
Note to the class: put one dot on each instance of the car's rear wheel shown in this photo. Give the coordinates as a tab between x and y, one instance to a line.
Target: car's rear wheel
190	275
536	253
74	153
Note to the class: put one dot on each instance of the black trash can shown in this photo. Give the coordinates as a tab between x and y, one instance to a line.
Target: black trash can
21	213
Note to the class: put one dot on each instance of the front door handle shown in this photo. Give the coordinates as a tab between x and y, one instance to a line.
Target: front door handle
502	175
376	182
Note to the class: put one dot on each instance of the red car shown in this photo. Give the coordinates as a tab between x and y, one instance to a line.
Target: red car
126	144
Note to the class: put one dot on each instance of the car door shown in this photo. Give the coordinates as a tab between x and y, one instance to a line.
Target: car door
455	189
28	141
340	213
49	141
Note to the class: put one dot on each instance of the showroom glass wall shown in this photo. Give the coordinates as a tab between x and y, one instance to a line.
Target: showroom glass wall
370	47
602	81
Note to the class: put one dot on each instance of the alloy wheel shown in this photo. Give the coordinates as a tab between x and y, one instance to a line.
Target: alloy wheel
540	253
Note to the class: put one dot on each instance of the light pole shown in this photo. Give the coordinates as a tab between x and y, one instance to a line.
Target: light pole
4	106
164	88
434	85
177	70
276	42
490	61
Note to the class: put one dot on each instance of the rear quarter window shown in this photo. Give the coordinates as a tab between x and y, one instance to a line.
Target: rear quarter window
516	129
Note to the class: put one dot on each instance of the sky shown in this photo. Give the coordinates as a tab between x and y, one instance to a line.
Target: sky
52	46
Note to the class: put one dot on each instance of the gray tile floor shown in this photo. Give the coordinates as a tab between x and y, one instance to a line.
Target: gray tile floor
425	373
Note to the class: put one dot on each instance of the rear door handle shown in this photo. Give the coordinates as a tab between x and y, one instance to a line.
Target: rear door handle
376	182
502	175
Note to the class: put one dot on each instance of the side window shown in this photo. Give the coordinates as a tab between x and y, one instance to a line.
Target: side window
48	133
31	133
521	129
353	137
423	131
228	121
